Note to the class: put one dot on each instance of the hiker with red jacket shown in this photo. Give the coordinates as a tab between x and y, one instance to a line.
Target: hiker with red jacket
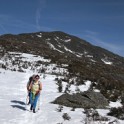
35	87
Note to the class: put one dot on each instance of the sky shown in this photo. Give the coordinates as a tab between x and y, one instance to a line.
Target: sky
100	22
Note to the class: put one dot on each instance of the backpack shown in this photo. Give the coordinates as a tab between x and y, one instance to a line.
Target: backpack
29	82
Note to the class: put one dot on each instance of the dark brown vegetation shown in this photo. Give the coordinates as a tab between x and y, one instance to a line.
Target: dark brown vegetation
117	112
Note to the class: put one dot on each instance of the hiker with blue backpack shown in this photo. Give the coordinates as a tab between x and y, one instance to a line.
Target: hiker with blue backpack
35	88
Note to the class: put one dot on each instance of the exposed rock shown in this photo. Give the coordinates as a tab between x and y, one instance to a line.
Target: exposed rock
88	99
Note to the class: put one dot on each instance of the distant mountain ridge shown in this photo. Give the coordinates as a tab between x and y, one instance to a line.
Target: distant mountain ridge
61	43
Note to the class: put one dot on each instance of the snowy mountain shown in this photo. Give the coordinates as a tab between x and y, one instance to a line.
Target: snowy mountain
47	43
76	76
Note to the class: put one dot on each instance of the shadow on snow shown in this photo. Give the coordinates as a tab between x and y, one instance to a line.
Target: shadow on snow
19	102
20	106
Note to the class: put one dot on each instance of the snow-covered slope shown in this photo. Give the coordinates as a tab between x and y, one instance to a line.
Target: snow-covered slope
13	109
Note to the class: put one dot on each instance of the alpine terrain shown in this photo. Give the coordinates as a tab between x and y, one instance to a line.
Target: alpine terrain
82	83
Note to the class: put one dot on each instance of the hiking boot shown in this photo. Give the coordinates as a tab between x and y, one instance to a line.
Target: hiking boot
31	107
34	111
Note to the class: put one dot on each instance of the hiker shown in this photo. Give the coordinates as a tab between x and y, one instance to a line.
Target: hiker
35	87
29	90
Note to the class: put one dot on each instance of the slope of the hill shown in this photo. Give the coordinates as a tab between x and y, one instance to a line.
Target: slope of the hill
19	67
83	61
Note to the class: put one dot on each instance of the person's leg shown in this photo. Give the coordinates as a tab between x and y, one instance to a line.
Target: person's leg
31	100
35	101
38	103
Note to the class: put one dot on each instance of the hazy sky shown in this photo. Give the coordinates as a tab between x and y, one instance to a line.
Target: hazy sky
100	22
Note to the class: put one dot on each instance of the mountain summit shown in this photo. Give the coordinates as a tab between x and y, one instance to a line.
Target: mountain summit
59	43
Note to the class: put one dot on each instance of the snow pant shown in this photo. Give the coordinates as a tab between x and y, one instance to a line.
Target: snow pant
33	100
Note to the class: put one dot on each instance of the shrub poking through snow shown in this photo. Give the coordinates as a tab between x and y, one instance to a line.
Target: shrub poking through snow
117	112
60	108
59	83
92	115
66	116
